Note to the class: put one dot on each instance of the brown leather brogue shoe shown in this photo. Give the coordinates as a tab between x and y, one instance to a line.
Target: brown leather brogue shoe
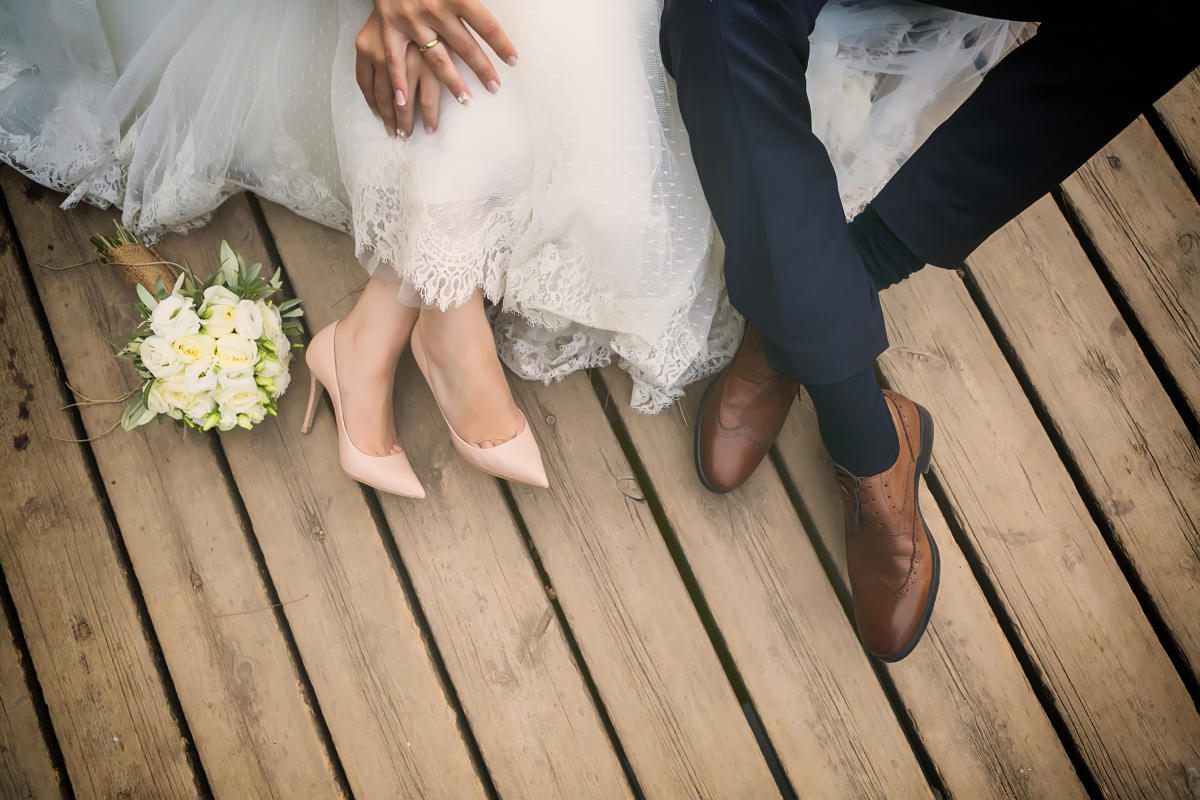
892	559
741	415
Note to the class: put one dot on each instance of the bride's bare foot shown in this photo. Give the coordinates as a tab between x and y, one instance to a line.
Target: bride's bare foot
367	345
466	374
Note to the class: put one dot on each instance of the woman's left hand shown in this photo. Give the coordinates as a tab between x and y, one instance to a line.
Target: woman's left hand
394	78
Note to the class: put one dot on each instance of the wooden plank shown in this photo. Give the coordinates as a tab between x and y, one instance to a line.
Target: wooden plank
1127	710
1144	223
391	722
524	697
963	688
26	769
1120	427
668	696
820	702
227	656
91	652
1180	112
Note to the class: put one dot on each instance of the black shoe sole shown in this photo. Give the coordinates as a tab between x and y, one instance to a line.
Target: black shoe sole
696	440
923	460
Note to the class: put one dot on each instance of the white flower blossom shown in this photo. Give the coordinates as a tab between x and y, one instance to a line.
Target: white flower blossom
174	317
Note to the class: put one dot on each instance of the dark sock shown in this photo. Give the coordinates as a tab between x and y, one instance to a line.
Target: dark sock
856	424
886	258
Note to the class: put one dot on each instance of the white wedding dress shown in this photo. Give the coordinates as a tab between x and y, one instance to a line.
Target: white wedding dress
570	197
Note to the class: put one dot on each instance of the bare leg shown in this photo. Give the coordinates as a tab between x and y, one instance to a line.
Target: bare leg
466	374
368	344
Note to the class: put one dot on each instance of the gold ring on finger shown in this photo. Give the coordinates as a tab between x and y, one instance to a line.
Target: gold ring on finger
432	43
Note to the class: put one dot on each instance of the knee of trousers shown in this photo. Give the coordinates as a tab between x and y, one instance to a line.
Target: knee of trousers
799	305
716	29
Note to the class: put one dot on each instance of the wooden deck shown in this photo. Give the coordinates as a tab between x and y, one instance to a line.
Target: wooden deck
231	616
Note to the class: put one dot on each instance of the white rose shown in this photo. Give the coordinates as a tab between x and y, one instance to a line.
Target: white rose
283	348
194	348
257	414
272	322
159	357
270	367
282	382
219	320
236	380
173	394
200	378
174	317
227	421
155	401
238	401
236	353
201	407
218	296
248	320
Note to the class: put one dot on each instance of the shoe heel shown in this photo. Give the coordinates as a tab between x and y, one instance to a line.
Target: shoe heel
311	411
926	419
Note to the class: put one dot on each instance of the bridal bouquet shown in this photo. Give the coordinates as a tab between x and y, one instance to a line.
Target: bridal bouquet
213	354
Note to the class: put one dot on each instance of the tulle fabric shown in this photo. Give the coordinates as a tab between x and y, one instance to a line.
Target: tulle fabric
570	198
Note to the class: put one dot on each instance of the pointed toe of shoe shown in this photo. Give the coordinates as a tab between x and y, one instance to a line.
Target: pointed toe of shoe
392	474
518	460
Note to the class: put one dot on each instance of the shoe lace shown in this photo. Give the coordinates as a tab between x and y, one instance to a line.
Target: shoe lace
852	487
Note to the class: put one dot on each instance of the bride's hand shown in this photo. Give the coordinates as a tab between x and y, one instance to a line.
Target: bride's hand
427	90
395	79
381	69
445	22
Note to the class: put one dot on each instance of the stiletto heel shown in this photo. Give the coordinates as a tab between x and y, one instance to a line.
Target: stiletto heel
518	459
391	473
311	411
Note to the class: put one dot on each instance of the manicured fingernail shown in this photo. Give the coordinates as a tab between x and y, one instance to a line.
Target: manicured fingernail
511	61
428	129
400	101
391	131
402	133
493	86
465	98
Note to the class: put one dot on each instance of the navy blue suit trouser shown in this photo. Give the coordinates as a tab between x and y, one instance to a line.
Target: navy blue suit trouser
791	268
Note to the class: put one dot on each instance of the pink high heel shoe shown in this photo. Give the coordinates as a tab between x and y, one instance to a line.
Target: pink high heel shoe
518	459
391	473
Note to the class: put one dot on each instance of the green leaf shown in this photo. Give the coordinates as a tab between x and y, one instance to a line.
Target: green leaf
179	282
229	264
147	299
136	414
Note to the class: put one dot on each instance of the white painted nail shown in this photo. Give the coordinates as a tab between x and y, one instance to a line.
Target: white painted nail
465	99
511	61
428	129
400	101
493	86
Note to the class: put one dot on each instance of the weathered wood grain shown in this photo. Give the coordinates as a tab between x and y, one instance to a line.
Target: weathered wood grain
1145	225
1123	433
391	722
524	697
1080	624
91	652
646	648
26	769
1180	112
228	658
963	688
820	702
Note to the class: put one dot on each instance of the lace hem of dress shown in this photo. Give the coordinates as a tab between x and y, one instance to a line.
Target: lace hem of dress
541	327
